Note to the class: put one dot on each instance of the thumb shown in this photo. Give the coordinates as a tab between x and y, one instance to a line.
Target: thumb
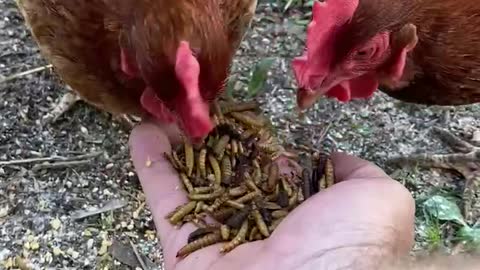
348	167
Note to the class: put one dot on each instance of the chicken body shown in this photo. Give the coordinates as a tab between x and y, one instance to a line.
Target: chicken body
418	51
165	58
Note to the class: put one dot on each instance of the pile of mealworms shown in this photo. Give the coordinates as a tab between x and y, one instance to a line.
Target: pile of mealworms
236	190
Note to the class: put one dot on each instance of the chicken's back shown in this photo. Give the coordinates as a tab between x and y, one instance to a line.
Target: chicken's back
444	67
79	40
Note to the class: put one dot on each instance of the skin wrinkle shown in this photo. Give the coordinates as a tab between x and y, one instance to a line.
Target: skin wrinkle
361	230
360	250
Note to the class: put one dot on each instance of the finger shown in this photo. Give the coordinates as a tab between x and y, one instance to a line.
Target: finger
172	130
160	183
351	222
348	167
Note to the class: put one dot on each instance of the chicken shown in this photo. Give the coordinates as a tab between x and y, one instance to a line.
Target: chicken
417	51
165	58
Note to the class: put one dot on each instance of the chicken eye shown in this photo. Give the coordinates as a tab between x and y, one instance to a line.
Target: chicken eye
364	53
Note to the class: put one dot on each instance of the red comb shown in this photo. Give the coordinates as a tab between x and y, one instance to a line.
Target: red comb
326	18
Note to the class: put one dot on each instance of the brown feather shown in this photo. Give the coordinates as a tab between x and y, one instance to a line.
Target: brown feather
444	67
82	39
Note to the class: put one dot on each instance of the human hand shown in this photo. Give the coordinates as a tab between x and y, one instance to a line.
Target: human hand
358	223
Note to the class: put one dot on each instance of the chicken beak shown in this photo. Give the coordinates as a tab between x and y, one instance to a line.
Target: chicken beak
307	98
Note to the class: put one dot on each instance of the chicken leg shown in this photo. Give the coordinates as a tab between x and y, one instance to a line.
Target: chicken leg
466	161
69	99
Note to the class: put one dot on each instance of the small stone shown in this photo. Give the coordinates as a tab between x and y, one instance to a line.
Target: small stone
84	130
90	243
34	245
57	251
56	223
109	166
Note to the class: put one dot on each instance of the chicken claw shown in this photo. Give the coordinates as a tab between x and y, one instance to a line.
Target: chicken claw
466	161
65	103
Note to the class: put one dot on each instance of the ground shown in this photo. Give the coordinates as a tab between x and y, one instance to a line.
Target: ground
37	205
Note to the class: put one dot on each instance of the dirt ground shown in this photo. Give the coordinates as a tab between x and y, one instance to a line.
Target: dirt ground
37	205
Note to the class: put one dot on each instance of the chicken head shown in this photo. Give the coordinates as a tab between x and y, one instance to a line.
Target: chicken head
189	110
336	66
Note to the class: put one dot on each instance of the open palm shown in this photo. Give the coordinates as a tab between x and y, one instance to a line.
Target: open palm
361	221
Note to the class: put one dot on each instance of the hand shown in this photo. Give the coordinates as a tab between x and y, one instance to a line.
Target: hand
351	225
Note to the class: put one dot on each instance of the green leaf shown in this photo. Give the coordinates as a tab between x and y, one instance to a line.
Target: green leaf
470	235
443	209
259	76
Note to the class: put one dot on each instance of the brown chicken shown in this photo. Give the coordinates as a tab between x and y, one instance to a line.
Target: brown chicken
418	51
164	58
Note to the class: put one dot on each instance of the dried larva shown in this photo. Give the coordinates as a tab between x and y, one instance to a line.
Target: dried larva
247	197
223	214
329	174
249	120
216	170
207	189
273	176
205	241
217	203
253	233
235	204
279	214
182	212
225	232
186	182
236	220
234	147
286	186
200	232
199	207
202	157
220	146
238	191
189	158
226	169
206	196
239	238
262	227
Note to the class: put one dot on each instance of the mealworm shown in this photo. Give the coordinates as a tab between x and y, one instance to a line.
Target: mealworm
238	191
236	220
198	190
182	212
235	204
248	120
239	238
273	176
202	157
189	158
262	227
225	232
226	170
186	182
219	148
216	170
247	197
205	241
206	197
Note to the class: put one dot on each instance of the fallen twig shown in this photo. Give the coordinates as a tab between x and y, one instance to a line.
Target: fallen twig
139	257
24	73
110	206
60	164
47	159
